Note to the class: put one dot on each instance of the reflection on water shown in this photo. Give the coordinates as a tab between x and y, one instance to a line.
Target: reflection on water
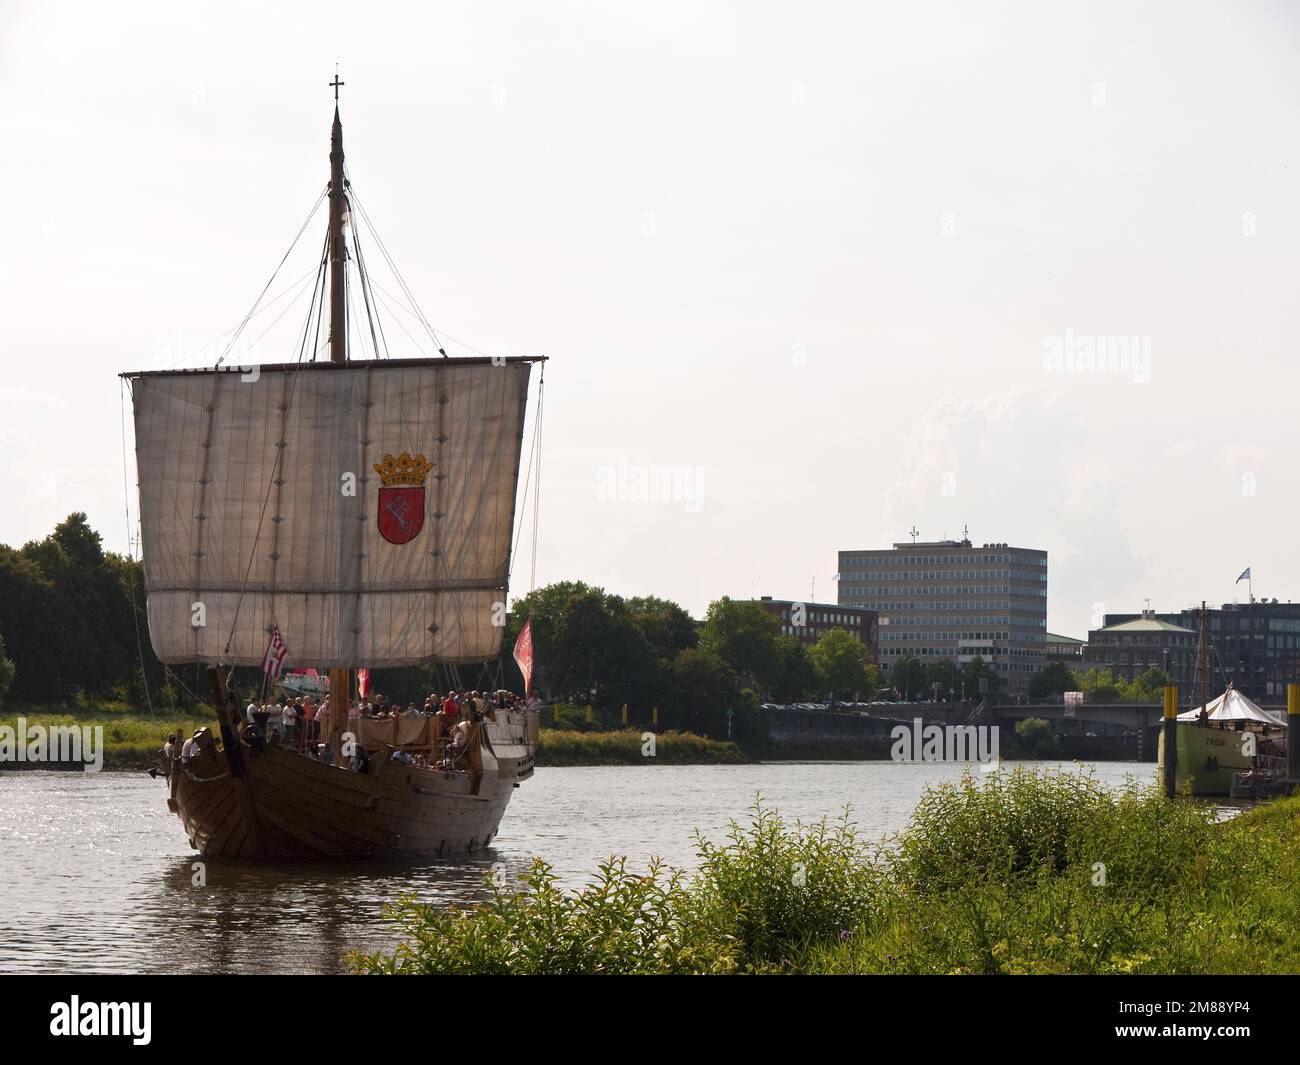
96	875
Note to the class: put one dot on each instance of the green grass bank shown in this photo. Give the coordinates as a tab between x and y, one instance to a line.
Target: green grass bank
1022	872
132	740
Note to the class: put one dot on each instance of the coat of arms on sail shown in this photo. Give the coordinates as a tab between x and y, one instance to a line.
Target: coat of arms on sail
401	499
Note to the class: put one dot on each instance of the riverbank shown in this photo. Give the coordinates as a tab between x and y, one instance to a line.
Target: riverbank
560	747
1022	872
132	741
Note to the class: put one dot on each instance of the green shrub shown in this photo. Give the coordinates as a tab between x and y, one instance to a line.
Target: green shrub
1026	872
624	747
755	904
1035	736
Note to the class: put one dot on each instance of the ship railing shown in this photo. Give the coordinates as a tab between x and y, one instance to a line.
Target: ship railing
1271	763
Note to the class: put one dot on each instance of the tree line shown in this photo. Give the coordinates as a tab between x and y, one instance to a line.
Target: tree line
73	628
607	651
1098	685
69	613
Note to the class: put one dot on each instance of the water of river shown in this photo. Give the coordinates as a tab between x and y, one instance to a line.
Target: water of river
96	875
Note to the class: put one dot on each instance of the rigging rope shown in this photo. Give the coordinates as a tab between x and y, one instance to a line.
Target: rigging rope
252	310
262	310
380	299
130	554
534	458
318	297
364	275
537	495
401	306
383	250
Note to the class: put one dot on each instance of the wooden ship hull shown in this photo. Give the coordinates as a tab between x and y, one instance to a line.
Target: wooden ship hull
286	805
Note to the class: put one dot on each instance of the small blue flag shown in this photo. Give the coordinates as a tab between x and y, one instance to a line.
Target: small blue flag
1245	576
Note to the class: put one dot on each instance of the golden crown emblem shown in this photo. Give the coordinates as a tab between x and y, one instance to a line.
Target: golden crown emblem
403	469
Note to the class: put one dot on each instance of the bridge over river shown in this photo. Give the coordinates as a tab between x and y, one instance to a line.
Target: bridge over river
1110	731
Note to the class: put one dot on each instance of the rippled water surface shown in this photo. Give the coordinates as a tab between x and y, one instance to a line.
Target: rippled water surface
96	875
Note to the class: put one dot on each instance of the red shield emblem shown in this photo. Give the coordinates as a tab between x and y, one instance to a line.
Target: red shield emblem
401	513
401	499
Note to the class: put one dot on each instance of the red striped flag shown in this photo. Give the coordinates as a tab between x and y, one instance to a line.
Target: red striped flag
524	654
275	654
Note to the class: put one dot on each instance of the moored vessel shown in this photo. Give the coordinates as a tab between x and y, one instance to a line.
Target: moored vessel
1222	740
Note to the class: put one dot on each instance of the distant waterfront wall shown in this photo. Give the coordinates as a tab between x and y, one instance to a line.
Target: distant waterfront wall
812	731
794	732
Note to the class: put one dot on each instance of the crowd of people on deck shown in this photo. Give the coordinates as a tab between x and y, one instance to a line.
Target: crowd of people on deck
299	724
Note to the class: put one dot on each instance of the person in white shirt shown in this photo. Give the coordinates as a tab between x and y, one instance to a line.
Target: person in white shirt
253	708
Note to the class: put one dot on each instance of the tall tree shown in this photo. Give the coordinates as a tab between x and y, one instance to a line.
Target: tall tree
977	671
703	690
666	625
65	615
1147	687
907	677
1053	679
946	674
790	677
544	605
599	654
741	635
1098	686
6	671
843	665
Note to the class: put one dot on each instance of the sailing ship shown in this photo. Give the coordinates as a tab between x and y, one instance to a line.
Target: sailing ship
1224	740
360	512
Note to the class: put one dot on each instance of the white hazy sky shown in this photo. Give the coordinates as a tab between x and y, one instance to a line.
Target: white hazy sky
807	256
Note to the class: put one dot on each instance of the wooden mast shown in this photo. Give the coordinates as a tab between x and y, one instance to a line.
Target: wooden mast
338	254
340	679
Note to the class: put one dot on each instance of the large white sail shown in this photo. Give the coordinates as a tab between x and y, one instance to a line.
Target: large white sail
261	507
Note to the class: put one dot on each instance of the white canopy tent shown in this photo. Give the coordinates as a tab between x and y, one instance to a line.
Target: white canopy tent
1233	706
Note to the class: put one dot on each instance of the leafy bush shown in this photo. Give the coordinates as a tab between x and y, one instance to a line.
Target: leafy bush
1034	734
1027	872
1014	823
757	901
563	747
773	890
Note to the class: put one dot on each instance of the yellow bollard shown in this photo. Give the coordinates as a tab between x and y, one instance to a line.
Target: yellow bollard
589	713
625	713
654	716
1293	733
1171	740
555	713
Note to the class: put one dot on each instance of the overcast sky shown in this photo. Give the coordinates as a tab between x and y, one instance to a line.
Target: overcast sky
834	268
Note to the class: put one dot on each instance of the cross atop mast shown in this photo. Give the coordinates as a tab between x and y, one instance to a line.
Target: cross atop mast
337	250
336	84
